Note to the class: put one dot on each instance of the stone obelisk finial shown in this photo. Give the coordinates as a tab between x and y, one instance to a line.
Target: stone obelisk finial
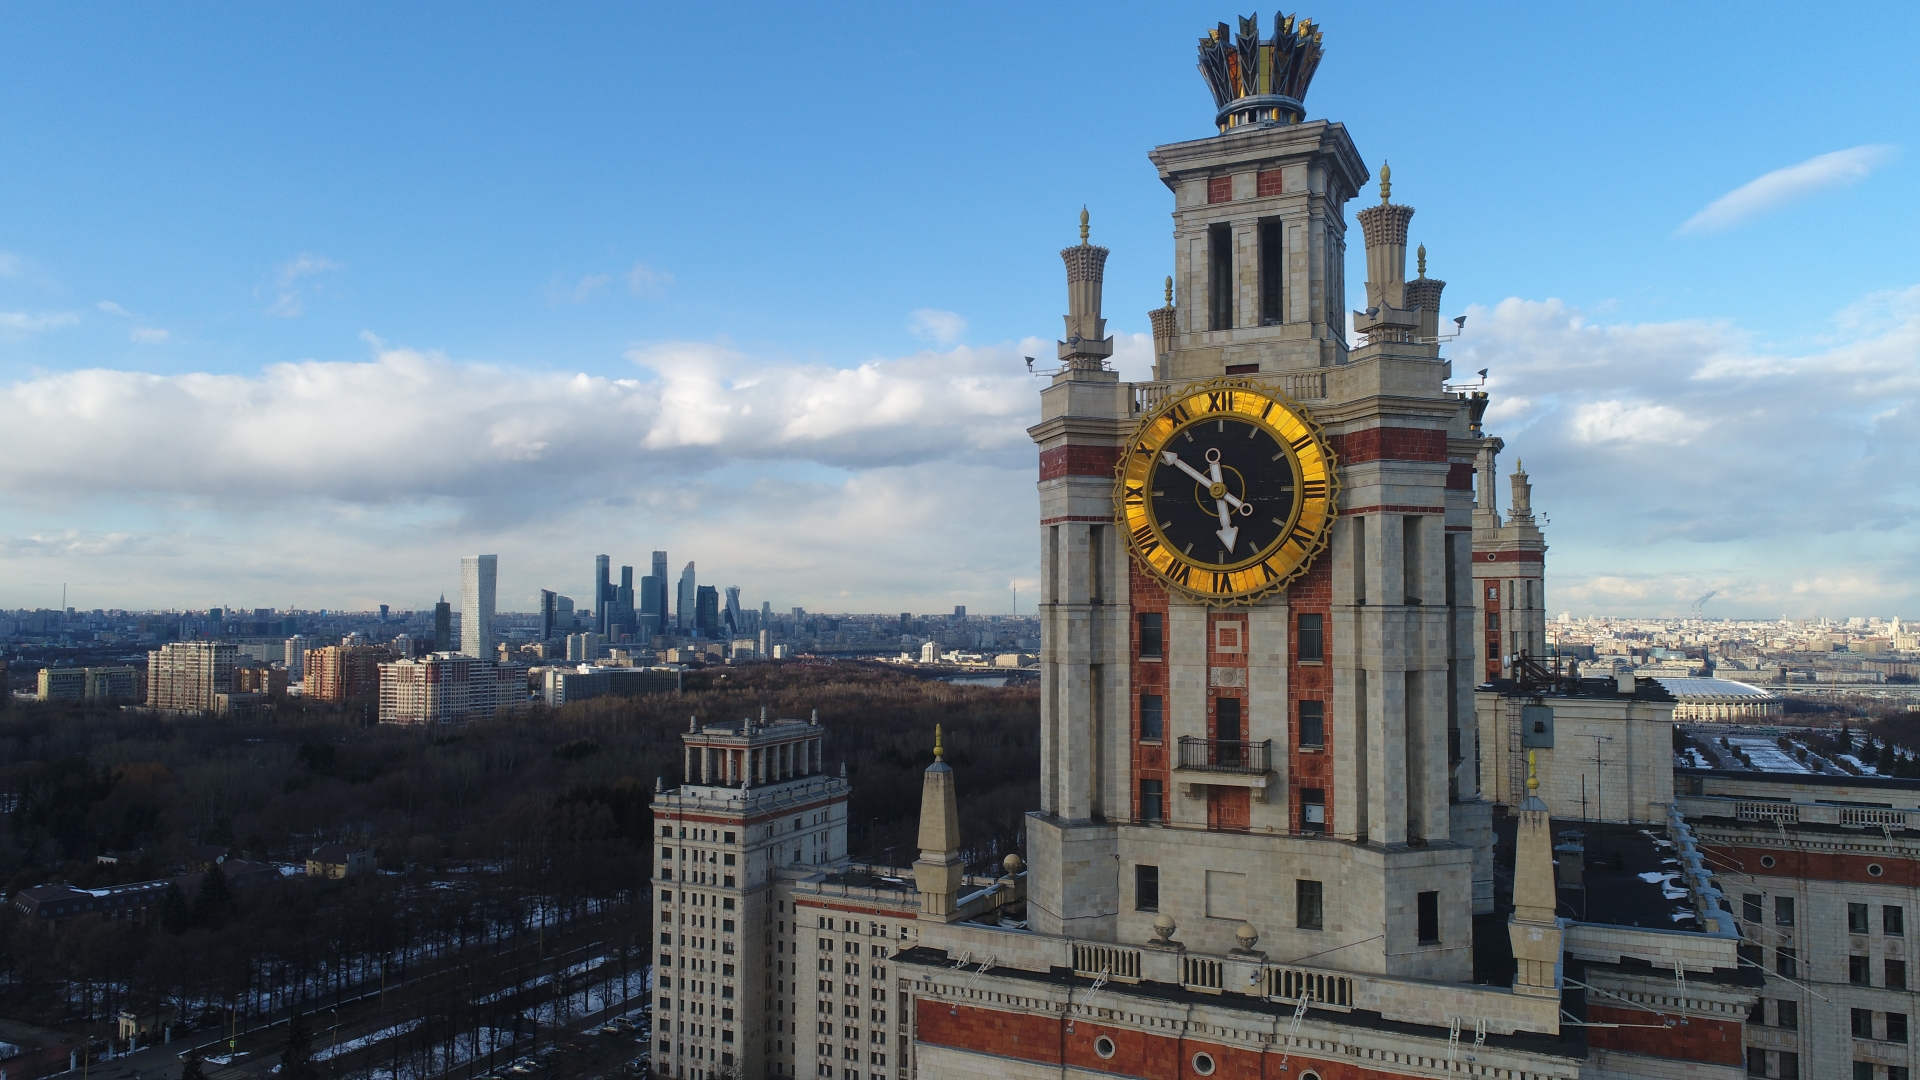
1386	230
1087	344
938	872
1162	319
1534	927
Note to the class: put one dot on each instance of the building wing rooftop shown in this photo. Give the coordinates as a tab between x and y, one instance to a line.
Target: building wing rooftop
1701	690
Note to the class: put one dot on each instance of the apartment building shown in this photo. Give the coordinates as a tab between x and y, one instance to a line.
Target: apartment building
190	676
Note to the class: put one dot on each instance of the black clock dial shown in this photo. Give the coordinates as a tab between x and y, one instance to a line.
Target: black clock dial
1255	490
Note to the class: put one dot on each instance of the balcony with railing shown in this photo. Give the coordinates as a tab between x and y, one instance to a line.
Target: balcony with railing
1234	757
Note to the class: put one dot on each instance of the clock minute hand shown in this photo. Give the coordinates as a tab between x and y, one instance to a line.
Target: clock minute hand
1173	459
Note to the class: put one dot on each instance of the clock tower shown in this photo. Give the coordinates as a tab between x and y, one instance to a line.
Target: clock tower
1291	751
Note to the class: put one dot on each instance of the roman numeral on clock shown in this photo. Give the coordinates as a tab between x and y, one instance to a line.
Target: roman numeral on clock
1302	442
1313	489
1300	536
1180	573
1220	401
1222	582
1135	494
1143	536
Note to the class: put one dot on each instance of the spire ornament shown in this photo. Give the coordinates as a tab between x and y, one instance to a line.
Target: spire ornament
1083	226
1422	254
939	751
1169	290
1386	185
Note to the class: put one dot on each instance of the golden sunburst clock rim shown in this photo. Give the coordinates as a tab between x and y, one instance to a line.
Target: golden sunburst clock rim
1307	553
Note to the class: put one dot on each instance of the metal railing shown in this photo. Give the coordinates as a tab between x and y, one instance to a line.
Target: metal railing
1298	385
1793	813
1226	755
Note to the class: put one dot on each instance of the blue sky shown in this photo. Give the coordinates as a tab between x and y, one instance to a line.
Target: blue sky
358	289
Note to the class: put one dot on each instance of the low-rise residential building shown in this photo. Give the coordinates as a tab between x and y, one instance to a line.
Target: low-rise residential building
339	861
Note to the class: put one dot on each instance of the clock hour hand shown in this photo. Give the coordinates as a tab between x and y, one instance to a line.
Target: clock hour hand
1227	532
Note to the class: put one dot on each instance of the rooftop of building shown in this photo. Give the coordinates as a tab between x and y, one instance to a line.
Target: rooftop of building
1547	684
1692	690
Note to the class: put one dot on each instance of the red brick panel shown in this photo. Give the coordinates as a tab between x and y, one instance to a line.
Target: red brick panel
1149	761
1009	1034
1707	1041
1459	477
1220	189
1819	866
1310	594
1390	444
1510	556
1141	1054
1271	183
1075	460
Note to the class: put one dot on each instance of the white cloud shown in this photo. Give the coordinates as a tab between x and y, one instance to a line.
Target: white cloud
1783	186
644	280
23	322
145	335
292	293
1635	421
1671	459
937	326
578	292
1680	457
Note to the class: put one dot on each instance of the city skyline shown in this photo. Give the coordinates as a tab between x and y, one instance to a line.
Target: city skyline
843	431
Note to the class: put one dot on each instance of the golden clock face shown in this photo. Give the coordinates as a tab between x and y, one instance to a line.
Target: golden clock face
1227	491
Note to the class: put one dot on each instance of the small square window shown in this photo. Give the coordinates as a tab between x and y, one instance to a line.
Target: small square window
1311	637
1146	888
1789	1065
1896	974
1151	624
1897	1027
1787	1014
1152	717
1859	970
1863	1023
1313	809
1151	797
1307	900
1428	907
1313	724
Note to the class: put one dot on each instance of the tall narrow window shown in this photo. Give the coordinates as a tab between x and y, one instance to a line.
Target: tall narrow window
1146	888
1783	911
1151	624
1313	724
1226	719
1151	797
1152	718
1220	276
1450	548
1893	921
1307	900
1359	560
1751	905
1096	563
1428	916
1273	273
1410	587
1313	810
1312	638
